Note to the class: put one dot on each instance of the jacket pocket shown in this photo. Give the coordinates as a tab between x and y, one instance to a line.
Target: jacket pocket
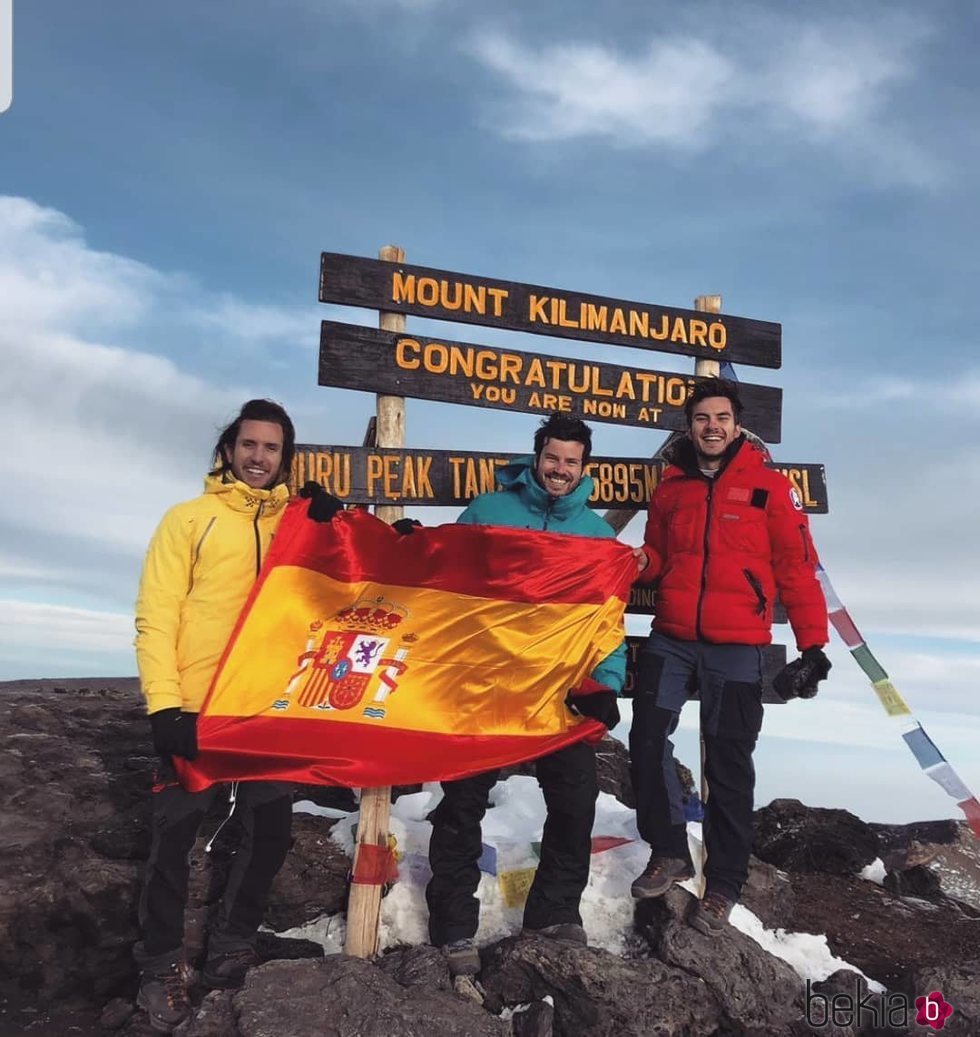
809	555
760	594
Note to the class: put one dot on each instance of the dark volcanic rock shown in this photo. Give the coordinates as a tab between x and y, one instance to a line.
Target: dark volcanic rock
754	990
795	837
598	993
75	781
886	936
343	997
960	986
917	881
768	894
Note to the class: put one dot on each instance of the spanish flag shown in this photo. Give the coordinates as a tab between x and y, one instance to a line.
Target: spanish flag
366	658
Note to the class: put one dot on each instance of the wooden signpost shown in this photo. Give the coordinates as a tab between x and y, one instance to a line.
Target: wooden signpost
355	357
452	478
467	299
393	364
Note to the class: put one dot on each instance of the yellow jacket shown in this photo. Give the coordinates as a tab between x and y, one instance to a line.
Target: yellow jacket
199	569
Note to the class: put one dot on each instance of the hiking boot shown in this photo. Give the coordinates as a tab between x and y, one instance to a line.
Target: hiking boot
163	996
659	875
227	971
710	915
570	932
462	957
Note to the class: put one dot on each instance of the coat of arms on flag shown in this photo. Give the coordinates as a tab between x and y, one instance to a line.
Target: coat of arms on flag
347	655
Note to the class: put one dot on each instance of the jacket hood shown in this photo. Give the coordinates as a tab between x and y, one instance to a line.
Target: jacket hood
684	460
241	497
518	476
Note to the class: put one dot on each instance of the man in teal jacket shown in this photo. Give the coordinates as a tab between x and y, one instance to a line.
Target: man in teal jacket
550	492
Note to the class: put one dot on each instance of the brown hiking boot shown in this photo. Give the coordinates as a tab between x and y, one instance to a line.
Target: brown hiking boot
163	996
570	932
710	915
659	875
227	971
462	957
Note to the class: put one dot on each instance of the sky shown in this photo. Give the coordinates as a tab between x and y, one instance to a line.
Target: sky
511	829
169	175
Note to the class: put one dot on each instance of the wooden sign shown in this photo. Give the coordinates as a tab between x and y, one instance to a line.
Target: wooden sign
465	298
773	660
356	357
643	596
452	478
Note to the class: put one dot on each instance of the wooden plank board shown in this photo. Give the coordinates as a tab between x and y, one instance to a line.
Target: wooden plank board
773	660
469	299
643	595
452	478
356	357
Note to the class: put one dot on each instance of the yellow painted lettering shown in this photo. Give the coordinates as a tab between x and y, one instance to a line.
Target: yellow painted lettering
375	470
402	287
498	295
404	347
536	308
640	323
679	331
474	298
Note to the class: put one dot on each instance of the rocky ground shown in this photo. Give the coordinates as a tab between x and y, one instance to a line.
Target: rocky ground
75	776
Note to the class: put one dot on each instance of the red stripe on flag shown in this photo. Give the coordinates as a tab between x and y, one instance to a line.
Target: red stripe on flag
317	752
527	566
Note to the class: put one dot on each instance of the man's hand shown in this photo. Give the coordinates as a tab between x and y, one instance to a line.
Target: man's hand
640	556
174	733
323	505
598	705
799	679
406	526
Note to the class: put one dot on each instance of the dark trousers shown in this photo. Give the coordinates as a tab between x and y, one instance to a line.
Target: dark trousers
729	681
264	810
568	781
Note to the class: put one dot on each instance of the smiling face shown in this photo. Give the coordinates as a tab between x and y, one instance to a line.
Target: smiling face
713	429
559	467
256	458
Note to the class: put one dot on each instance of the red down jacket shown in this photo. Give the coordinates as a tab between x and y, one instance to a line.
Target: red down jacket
721	547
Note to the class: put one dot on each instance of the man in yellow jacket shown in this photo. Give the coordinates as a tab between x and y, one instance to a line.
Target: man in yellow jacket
199	569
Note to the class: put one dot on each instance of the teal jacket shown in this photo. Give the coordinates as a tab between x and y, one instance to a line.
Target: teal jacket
523	502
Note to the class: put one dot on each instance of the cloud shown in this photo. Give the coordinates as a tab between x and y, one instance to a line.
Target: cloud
75	629
112	432
825	83
668	94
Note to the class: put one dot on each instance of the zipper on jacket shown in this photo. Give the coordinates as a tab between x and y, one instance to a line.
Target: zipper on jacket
258	538
704	565
547	511
203	537
806	546
759	592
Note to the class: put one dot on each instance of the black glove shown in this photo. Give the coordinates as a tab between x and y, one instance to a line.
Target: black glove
406	526
174	733
799	679
599	705
323	505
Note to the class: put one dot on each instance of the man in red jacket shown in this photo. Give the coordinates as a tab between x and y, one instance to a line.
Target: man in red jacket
724	533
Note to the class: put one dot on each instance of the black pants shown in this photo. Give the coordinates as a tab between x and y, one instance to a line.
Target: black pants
729	681
265	811
568	781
